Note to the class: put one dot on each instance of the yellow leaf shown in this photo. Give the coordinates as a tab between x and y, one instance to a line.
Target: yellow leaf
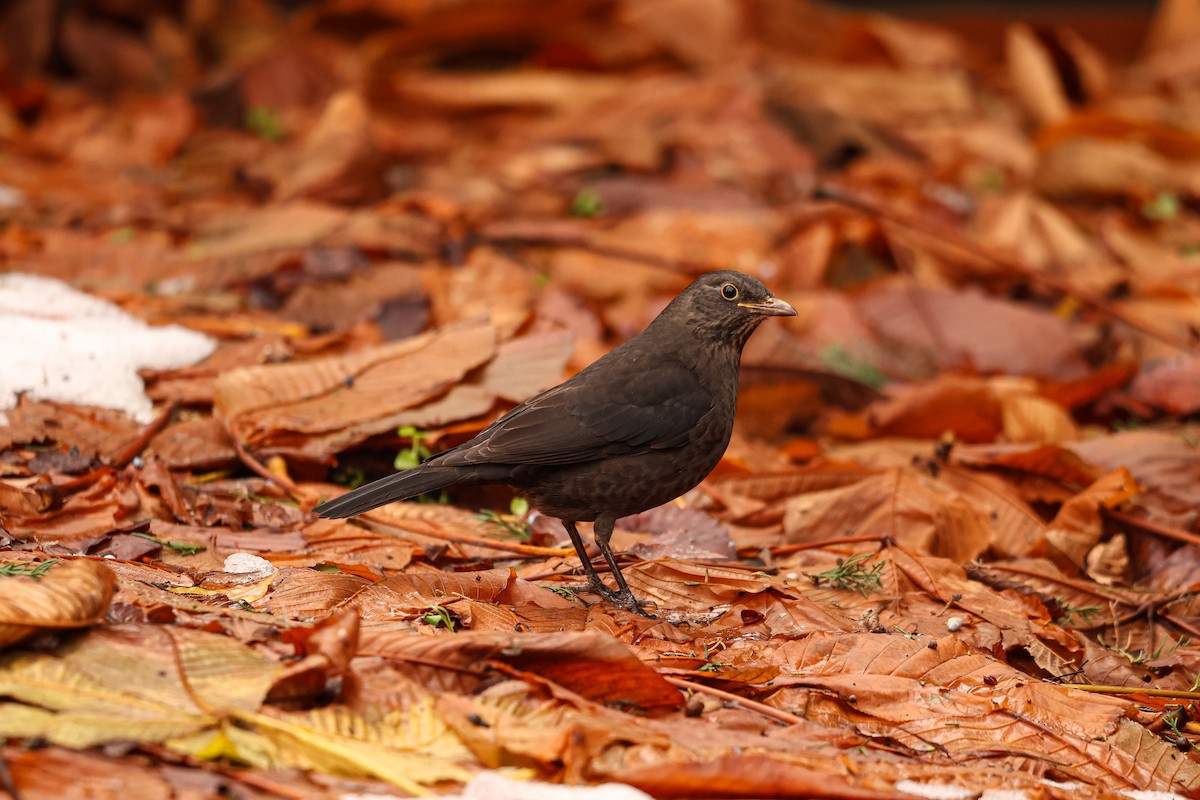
248	592
410	749
136	683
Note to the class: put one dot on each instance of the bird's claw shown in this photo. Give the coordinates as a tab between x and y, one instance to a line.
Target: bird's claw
625	599
621	599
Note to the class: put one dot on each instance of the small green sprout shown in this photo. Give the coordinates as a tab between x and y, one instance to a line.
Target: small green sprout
183	548
587	203
28	569
264	122
852	574
439	616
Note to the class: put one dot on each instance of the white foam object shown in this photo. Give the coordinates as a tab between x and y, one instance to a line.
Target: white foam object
248	564
60	344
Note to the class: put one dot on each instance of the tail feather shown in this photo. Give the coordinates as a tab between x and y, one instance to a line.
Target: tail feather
401	486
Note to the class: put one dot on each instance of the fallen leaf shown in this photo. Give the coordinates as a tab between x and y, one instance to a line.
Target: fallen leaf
52	595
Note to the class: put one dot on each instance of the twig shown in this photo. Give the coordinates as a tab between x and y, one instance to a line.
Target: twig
1184	625
428	662
1103	689
1147	526
260	469
788	549
477	541
729	697
139	444
1051	735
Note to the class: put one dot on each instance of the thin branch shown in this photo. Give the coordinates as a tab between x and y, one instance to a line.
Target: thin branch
1146	526
788	549
729	697
1104	689
260	469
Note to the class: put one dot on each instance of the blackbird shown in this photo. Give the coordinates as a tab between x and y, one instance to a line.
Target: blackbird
635	429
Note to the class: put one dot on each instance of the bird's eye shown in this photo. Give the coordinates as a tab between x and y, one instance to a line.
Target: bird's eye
729	292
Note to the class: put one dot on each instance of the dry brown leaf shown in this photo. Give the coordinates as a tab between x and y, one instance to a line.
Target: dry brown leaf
915	45
966	408
321	405
878	95
242	233
991	619
1009	717
139	132
488	285
1163	463
199	444
591	664
967	329
95	432
308	595
1173	386
1019	529
731	238
1029	417
339	160
342	544
79	775
68	594
742	776
412	595
1034	77
678	586
1077	527
906	506
1175	23
539	89
70	514
702	33
323	306
1105	168
570	166
1045	238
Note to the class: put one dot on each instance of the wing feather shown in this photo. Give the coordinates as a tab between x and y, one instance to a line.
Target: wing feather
581	421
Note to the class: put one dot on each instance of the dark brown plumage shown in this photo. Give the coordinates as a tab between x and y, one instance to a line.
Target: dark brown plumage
635	429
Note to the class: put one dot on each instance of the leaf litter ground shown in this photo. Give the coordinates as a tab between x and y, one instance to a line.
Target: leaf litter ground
953	547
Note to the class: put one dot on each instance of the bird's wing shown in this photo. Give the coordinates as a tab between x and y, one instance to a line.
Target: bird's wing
588	420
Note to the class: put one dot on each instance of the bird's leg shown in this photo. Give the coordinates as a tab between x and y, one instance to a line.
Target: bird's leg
594	583
623	597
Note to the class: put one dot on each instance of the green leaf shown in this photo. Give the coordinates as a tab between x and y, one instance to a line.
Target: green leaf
588	203
264	122
837	359
1165	206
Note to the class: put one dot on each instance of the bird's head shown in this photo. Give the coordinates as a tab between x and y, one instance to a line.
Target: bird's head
725	306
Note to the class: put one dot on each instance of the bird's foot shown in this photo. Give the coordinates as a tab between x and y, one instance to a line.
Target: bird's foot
619	598
625	599
594	586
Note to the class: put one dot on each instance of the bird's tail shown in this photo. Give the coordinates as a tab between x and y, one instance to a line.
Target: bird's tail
401	486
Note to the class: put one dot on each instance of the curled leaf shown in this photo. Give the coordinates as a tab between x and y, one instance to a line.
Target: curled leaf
51	595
